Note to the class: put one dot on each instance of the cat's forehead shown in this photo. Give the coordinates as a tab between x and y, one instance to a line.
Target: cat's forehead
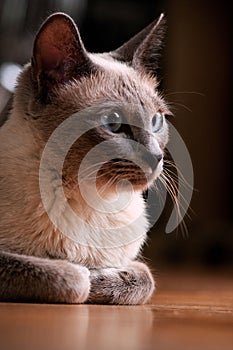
115	82
125	80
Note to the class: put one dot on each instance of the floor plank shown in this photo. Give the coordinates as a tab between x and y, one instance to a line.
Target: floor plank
189	311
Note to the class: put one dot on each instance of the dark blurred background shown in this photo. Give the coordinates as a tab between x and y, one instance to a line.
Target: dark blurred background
195	71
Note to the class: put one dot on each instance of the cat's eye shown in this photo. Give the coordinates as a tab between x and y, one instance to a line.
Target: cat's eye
112	121
157	122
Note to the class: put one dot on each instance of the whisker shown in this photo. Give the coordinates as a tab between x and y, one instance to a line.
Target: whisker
109	183
174	104
172	188
179	176
155	187
96	165
175	185
185	92
93	175
170	181
93	178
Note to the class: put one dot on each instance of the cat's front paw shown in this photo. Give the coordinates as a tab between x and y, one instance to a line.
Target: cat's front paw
34	279
80	287
60	281
133	284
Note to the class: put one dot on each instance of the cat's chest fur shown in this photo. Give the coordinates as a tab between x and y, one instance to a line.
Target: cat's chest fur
92	234
89	235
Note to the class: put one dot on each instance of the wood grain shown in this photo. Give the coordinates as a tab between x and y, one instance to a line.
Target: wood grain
189	311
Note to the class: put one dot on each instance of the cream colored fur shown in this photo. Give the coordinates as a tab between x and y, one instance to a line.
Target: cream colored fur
25	227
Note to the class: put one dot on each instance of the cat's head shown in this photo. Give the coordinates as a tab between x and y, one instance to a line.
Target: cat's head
117	91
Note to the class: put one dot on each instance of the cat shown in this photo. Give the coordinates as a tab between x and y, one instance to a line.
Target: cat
38	262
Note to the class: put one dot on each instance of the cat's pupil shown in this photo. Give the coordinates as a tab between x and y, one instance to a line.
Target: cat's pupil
112	121
157	122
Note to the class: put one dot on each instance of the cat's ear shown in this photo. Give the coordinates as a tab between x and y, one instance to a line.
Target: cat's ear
142	51
58	53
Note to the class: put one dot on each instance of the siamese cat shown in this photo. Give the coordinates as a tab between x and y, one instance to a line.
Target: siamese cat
91	255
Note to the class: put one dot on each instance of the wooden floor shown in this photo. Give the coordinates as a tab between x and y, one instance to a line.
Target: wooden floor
191	311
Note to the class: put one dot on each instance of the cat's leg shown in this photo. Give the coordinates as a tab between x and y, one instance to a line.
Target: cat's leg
28	278
133	284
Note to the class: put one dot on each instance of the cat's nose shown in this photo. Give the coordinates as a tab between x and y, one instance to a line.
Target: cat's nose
152	159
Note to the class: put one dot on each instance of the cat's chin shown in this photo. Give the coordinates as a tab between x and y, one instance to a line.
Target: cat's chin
143	185
145	181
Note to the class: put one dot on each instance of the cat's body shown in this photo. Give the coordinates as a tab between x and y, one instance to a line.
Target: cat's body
38	262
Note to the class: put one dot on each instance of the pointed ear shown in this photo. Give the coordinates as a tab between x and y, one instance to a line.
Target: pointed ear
58	54
142	51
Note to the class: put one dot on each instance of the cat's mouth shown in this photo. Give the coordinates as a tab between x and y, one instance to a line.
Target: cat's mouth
126	171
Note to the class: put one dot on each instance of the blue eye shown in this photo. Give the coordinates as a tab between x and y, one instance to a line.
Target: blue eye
157	122
112	121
